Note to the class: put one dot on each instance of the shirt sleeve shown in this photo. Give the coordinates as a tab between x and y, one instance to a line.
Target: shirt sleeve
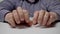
5	7
54	6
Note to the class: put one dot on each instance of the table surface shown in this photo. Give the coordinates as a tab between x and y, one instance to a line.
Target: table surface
6	29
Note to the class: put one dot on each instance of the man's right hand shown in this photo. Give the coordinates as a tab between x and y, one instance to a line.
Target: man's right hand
16	16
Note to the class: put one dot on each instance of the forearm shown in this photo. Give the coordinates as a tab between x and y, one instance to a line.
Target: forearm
2	15
5	7
54	6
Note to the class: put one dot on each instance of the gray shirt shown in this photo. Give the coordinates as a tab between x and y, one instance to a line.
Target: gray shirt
9	5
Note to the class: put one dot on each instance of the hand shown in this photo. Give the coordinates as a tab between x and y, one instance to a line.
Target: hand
16	16
44	18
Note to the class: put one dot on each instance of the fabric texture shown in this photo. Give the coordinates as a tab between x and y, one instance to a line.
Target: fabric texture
9	5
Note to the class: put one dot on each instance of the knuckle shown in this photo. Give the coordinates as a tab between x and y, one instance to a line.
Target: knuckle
42	11
21	14
46	15
15	15
25	11
54	16
51	16
9	15
19	8
36	12
14	10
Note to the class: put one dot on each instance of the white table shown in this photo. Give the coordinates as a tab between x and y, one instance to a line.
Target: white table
5	29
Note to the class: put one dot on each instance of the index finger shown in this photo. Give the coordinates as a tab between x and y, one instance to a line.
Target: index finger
36	14
26	16
20	12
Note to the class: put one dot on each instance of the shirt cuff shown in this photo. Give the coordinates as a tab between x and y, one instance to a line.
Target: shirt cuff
2	15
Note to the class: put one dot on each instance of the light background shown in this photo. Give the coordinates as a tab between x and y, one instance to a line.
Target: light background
5	29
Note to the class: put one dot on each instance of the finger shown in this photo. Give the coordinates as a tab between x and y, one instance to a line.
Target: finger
10	20
36	14
20	12
45	19
16	17
40	17
51	19
26	16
